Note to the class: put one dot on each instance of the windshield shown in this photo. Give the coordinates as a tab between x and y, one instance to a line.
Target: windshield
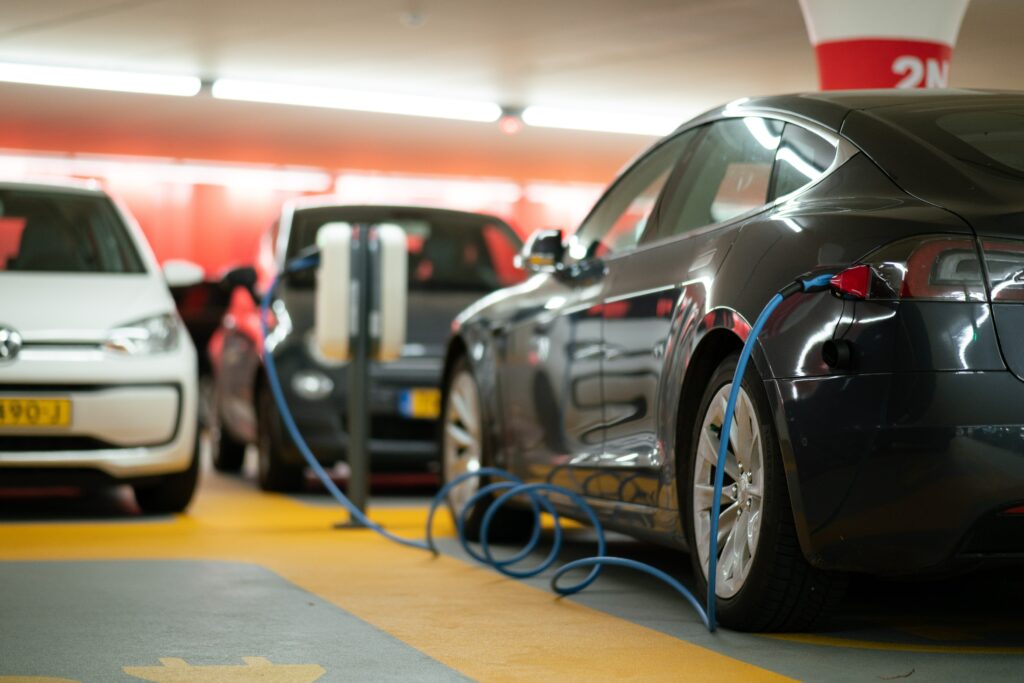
987	136
58	232
447	250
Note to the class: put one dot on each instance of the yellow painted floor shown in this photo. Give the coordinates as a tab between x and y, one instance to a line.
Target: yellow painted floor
463	621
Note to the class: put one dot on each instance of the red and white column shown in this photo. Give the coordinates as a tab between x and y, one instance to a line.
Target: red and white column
883	43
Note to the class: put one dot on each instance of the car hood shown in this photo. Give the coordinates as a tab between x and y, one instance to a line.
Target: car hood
76	307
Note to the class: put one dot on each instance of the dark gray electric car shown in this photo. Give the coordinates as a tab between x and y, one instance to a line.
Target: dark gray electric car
454	258
880	427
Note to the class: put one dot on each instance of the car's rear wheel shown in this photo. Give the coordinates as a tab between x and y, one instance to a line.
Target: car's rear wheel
171	492
465	447
763	582
273	473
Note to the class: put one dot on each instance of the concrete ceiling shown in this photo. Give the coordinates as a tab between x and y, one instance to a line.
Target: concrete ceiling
656	56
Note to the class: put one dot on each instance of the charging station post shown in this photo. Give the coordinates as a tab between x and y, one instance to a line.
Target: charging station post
359	371
360	318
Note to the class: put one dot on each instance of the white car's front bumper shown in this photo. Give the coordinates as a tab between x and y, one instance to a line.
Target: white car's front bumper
130	416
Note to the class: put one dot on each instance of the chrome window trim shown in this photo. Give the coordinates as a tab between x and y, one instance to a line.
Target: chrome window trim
845	150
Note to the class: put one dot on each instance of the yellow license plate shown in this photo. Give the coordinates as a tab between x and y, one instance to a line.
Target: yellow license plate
35	412
422	404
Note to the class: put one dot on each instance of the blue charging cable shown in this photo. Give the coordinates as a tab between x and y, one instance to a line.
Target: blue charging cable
508	486
804	285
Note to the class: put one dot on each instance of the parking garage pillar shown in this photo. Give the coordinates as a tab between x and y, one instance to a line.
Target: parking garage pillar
883	43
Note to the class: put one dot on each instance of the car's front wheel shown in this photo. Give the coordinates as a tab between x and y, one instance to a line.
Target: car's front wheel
763	582
171	492
465	447
273	473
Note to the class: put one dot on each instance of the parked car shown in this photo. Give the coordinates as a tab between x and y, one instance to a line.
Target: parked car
878	429
97	375
201	303
454	258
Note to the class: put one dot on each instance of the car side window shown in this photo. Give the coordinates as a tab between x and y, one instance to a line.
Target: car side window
802	158
726	175
621	216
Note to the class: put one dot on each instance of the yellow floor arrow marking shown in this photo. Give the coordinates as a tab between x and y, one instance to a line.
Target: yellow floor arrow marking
468	618
255	670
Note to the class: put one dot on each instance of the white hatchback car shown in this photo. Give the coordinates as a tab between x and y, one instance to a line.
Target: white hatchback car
97	374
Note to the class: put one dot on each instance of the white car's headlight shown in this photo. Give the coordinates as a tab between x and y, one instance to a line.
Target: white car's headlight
158	334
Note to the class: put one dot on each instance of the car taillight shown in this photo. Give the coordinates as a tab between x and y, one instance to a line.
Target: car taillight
1005	262
936	267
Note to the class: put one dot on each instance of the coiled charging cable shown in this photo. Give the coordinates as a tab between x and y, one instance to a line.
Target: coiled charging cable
508	486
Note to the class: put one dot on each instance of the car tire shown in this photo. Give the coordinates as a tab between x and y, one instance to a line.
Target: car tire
764	582
466	445
273	473
171	492
228	453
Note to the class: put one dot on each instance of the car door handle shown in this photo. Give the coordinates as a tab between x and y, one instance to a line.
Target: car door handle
589	351
611	353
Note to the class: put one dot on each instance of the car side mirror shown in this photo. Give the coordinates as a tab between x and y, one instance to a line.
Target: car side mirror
542	252
243	276
181	273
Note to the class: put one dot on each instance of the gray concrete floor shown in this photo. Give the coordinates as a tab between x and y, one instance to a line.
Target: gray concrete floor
84	620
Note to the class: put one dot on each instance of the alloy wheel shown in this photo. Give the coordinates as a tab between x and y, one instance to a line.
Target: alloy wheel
462	437
739	523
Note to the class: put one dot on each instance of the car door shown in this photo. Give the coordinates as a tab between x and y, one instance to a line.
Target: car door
551	379
549	374
660	291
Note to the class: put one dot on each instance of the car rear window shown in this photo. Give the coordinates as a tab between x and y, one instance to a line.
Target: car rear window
990	137
54	232
446	251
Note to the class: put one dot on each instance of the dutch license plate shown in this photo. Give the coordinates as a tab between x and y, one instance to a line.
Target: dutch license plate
35	412
422	404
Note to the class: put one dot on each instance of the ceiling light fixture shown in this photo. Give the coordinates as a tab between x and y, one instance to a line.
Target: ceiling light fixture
97	79
120	169
604	122
454	192
332	98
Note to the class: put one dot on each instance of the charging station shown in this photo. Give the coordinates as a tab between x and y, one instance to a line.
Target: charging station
361	301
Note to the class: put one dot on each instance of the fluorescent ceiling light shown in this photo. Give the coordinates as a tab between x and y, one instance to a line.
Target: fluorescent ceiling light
463	193
332	98
119	169
605	122
96	79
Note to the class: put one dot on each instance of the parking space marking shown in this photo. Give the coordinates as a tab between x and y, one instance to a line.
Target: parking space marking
468	618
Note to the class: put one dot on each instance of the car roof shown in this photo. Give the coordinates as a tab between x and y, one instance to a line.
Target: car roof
303	204
67	186
830	108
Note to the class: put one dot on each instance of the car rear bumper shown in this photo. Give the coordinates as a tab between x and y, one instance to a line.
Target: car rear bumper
904	473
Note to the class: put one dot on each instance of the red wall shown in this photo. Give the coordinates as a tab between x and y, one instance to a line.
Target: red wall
132	144
215	226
